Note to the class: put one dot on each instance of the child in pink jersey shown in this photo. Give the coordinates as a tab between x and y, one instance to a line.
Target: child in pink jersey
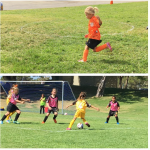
52	104
114	108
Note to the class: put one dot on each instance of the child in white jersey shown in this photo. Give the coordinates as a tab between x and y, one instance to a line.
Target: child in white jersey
52	104
114	108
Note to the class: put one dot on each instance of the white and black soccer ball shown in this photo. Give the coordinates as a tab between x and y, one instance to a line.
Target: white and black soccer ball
80	126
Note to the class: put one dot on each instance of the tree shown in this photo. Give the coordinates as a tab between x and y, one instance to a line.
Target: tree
101	87
120	82
126	84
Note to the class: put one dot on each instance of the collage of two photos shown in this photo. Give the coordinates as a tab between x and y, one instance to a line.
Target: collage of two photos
74	74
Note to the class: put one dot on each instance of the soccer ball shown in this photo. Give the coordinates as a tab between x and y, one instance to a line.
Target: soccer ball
80	126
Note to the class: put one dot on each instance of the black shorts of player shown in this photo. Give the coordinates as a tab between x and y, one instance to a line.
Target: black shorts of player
92	43
113	113
54	109
11	107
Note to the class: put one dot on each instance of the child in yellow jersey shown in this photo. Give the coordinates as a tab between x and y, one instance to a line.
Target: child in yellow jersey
81	105
94	37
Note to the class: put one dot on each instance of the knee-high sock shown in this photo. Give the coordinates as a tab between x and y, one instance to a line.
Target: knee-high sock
54	116
71	123
17	116
84	120
107	120
7	118
45	118
100	48
3	118
117	119
85	54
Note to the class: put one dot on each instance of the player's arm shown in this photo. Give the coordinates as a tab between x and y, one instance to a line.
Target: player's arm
57	105
100	21
108	105
89	105
18	101
47	104
25	100
72	104
118	106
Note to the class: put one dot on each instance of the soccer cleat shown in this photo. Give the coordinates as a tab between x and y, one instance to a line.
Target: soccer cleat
68	129
106	122
16	122
81	60
7	121
87	124
117	122
55	120
1	122
109	46
43	122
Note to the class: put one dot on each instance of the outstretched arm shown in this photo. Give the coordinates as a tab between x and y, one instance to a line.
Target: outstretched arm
25	100
69	105
95	108
18	101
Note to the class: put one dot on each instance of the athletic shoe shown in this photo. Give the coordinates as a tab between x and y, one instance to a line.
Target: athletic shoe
7	121
109	46
117	122
43	122
68	129
10	119
106	122
16	122
87	124
81	60
1	122
55	120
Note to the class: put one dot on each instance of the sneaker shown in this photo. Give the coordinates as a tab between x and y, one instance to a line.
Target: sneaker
16	122
68	129
109	46
7	121
43	122
117	122
87	124
1	122
10	119
106	122
81	60
55	120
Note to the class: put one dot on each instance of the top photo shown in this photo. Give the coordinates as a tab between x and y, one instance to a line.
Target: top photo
74	36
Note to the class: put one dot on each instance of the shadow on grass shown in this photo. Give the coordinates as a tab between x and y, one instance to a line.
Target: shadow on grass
62	123
29	123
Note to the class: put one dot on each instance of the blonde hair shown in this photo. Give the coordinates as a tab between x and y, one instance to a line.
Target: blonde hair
82	95
91	10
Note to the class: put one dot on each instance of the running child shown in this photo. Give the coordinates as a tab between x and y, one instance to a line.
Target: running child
42	103
94	37
114	108
15	98
81	105
8	118
52	104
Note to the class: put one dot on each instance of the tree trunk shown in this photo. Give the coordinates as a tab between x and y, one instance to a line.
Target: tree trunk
120	82
101	87
126	84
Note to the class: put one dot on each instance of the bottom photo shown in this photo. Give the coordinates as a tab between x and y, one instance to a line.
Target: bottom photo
74	111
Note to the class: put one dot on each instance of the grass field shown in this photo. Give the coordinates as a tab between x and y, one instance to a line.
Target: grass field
52	40
132	132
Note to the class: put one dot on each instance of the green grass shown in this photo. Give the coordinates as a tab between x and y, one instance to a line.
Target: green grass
132	132
52	40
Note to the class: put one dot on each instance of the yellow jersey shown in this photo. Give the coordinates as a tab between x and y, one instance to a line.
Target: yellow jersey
8	99
81	105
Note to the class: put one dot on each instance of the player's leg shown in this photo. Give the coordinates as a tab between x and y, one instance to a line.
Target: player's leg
40	109
55	115
17	116
43	109
4	117
46	117
102	47
83	118
107	119
85	54
71	123
116	116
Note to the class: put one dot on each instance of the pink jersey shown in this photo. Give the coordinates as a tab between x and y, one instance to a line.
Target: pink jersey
14	98
53	102
113	106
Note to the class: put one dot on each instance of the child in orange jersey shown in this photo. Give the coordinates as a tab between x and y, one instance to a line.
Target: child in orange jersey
94	34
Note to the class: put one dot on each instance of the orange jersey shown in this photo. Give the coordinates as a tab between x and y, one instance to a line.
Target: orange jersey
93	29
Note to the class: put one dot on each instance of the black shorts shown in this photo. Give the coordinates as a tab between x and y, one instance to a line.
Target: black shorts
113	113
54	109
92	43
11	107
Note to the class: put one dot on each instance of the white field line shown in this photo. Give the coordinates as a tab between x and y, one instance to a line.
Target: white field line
132	28
72	130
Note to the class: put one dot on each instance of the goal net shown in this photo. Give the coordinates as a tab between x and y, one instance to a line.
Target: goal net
33	91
